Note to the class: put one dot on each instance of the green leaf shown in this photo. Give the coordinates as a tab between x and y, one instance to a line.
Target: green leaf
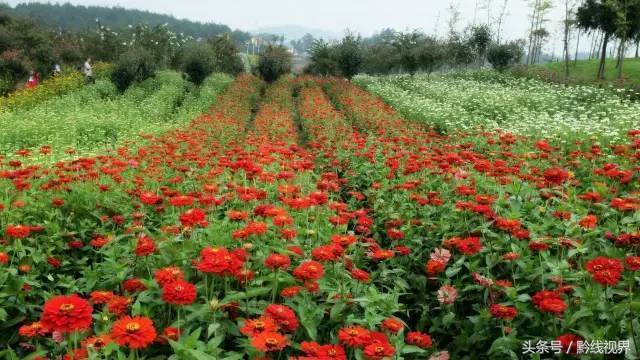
411	349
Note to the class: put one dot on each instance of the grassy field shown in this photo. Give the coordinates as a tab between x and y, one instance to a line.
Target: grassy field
585	71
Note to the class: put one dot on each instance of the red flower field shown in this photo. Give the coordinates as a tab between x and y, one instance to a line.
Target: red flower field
306	219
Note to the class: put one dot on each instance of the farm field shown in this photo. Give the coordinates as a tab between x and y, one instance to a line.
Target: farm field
95	118
460	217
522	106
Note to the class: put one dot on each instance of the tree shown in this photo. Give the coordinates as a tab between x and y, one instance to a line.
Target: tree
198	62
407	45
349	55
274	61
323	59
225	55
500	21
598	15
303	45
568	9
627	25
479	40
135	65
537	33
506	55
379	59
431	55
458	51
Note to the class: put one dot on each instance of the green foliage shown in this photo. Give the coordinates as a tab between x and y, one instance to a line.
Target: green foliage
275	61
349	55
480	39
79	17
380	59
506	55
198	62
225	55
323	59
97	116
133	66
431	55
407	45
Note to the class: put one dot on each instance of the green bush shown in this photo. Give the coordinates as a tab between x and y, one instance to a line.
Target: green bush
197	62
226	58
133	66
274	62
503	56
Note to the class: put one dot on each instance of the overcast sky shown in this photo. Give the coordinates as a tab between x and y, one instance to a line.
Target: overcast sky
363	16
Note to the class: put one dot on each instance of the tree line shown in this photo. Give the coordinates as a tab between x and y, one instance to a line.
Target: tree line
411	51
68	17
137	51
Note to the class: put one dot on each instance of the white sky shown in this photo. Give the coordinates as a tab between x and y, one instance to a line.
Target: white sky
363	16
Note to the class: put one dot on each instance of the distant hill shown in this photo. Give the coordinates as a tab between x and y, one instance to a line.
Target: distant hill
78	17
295	32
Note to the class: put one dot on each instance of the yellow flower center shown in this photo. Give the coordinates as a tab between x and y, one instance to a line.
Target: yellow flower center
66	307
132	327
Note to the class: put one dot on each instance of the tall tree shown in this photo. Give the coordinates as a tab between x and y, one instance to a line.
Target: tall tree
480	39
407	45
500	20
598	15
568	9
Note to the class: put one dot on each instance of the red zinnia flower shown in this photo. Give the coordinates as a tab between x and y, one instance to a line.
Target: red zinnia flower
435	267
419	339
18	231
380	348
503	312
632	262
150	198
118	305
277	261
179	292
145	246
253	327
101	297
66	314
569	343
168	274
469	246
309	270
392	325
553	305
556	175
284	317
269	341
133	285
589	222
354	336
360	275
182	200
136	333
34	329
169	333
605	271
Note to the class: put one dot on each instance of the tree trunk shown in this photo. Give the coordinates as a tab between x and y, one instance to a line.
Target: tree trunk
566	38
637	48
621	58
533	18
620	54
575	58
603	57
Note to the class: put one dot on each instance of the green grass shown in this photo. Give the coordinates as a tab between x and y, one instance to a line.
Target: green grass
585	71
